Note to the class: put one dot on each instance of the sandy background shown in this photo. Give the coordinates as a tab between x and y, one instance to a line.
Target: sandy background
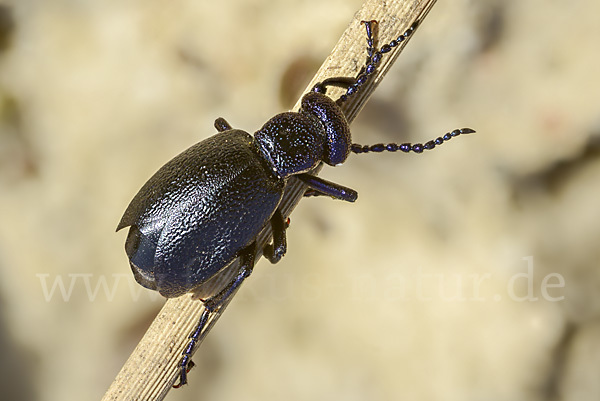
468	273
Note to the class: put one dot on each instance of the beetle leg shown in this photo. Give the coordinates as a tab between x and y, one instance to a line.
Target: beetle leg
246	265
312	192
318	186
274	252
212	305
222	125
340	82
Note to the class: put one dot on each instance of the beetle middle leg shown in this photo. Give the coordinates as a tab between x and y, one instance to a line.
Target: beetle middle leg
212	305
319	187
274	252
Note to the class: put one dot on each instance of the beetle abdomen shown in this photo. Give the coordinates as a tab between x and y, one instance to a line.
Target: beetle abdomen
198	211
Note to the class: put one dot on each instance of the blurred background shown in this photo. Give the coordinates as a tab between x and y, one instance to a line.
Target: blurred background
467	273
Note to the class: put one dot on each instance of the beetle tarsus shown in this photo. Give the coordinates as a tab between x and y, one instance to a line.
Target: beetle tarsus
183	375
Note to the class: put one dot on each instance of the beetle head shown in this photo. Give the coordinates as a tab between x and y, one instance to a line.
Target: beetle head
337	131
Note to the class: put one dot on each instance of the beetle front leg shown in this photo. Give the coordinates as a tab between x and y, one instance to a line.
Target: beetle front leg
213	304
319	186
275	251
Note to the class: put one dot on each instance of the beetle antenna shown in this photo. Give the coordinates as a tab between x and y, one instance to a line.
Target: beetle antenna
373	57
407	147
352	85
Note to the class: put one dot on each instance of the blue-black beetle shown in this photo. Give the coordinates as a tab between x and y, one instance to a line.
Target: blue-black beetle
206	207
202	209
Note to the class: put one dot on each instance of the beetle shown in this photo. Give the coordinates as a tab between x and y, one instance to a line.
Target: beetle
205	208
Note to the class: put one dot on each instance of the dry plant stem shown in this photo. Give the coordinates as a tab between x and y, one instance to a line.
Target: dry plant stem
153	367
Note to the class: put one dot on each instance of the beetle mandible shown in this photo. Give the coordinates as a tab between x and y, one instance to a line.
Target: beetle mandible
205	208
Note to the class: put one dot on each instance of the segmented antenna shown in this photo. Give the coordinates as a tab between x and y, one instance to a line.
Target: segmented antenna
407	147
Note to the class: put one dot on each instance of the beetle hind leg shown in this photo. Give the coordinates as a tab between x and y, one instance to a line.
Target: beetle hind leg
212	305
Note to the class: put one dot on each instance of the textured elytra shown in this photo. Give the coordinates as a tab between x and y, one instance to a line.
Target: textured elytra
198	211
